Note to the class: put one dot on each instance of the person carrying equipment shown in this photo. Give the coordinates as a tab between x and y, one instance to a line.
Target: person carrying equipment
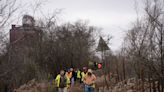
89	81
62	81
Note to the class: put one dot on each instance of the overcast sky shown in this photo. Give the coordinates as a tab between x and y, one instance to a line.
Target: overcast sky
113	16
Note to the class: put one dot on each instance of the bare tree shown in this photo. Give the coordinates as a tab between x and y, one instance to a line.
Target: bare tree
144	43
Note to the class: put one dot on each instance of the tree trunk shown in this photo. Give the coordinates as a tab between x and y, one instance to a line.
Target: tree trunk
124	77
142	79
158	85
154	88
149	79
162	85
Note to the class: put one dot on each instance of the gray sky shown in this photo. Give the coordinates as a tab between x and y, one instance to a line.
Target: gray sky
113	16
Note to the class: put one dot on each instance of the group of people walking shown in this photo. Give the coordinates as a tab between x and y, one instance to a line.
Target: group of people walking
67	79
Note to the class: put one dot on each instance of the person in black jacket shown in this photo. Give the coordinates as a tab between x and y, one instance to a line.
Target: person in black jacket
74	76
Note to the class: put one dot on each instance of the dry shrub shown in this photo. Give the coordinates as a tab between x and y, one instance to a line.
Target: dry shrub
34	86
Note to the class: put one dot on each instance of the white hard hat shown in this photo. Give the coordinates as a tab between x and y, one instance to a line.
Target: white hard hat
90	70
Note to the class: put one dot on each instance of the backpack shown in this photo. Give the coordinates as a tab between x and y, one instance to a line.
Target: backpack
63	82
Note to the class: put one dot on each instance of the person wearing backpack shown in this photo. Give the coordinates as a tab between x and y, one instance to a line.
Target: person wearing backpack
61	81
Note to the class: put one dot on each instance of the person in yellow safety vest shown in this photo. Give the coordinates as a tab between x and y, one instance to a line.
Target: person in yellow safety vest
89	81
79	76
83	74
69	76
61	81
